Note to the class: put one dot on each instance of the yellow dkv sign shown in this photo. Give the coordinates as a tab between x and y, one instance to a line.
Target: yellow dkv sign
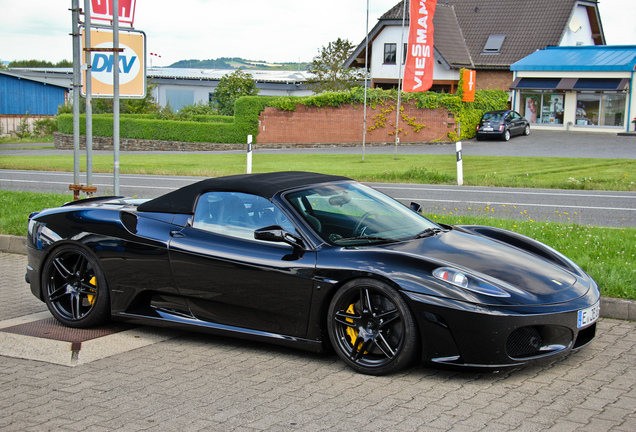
132	64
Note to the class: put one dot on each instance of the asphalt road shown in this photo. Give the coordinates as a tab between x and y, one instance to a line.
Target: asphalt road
617	209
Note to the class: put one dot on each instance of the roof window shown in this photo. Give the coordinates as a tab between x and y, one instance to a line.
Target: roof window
493	44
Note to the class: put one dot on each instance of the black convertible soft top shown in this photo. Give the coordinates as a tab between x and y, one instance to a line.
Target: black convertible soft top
184	200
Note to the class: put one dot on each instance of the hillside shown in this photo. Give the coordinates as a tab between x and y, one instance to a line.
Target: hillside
237	63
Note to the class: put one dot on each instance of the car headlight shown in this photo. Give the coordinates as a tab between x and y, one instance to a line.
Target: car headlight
468	281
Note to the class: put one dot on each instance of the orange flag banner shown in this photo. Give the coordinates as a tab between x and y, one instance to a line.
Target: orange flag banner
469	85
418	71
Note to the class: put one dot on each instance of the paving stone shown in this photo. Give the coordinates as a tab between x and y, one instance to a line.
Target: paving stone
196	382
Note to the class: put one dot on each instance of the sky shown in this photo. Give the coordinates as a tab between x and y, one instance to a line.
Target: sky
269	30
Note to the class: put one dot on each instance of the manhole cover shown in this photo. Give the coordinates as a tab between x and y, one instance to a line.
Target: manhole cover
51	328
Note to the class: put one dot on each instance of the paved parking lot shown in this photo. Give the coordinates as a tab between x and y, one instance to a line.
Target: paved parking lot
192	382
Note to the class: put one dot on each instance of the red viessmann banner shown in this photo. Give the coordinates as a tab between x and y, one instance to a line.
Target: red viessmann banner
418	71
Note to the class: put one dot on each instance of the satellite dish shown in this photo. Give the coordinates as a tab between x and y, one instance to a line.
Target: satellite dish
575	24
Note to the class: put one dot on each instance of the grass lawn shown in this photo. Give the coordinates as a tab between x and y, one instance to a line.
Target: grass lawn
526	172
607	254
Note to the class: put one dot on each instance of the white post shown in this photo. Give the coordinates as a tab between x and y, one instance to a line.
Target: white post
249	154
460	164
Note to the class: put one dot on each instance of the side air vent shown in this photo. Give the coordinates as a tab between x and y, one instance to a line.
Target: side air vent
130	221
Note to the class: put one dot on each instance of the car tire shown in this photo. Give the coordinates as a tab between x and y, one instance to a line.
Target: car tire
526	130
506	135
372	328
74	287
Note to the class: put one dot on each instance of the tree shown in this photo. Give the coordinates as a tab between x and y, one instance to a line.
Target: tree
328	68
230	88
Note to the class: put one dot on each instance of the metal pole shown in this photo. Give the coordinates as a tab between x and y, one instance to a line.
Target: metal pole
116	96
249	154
89	96
76	91
400	82
366	79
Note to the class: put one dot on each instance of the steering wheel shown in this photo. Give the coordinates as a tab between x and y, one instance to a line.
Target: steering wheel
359	229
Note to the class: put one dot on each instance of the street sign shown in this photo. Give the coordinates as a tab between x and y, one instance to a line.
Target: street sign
103	10
132	63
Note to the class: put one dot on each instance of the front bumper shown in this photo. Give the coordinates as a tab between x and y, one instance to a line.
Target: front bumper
464	334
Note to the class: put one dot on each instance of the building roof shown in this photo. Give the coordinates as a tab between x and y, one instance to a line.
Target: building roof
41	77
527	26
281	76
511	29
449	41
63	76
612	58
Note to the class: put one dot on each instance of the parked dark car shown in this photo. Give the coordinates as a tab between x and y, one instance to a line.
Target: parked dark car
502	124
312	261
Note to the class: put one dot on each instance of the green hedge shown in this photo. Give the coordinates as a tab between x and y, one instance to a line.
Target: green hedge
168	130
223	129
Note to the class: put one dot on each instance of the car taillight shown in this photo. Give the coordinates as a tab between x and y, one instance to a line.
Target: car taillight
477	127
501	128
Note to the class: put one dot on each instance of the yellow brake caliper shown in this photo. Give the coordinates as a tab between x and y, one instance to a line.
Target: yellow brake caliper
91	298
353	333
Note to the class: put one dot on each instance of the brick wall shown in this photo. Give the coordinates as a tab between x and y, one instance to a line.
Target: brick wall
494	79
343	125
308	127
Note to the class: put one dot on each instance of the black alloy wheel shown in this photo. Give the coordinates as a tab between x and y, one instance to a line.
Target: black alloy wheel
74	287
372	328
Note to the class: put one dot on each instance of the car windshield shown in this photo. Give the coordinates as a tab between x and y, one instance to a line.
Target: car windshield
493	117
351	214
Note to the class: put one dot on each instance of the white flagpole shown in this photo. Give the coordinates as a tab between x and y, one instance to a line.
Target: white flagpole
400	81
366	76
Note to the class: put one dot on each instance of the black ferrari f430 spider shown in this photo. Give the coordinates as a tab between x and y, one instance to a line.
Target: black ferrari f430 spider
313	261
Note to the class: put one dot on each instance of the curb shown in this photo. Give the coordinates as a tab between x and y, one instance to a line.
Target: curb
13	244
613	308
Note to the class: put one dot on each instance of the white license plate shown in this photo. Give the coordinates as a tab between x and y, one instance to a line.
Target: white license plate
588	316
487	129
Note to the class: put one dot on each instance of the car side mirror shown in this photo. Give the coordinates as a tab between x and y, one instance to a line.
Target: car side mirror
417	208
276	233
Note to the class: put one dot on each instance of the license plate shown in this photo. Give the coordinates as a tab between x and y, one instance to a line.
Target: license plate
487	129
588	316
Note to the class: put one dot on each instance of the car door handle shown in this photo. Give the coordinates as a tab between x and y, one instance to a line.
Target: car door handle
177	234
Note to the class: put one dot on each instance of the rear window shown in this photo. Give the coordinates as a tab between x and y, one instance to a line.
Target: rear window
491	117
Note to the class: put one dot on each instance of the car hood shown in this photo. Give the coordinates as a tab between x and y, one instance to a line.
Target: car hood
528	278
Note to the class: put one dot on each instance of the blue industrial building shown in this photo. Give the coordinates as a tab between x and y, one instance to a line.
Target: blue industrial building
20	95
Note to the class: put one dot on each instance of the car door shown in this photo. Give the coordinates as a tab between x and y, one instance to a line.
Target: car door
231	279
517	123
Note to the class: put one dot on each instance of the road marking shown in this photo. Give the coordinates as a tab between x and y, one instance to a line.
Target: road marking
516	204
592	195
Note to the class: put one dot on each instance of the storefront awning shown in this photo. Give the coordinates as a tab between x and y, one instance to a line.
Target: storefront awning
535	83
580	84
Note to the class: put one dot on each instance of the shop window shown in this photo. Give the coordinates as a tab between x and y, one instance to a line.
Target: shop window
600	109
613	109
542	108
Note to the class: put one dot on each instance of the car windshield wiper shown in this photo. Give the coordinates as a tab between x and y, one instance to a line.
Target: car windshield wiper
428	232
369	238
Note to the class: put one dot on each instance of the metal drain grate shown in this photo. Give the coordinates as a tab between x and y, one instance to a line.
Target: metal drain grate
51	328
